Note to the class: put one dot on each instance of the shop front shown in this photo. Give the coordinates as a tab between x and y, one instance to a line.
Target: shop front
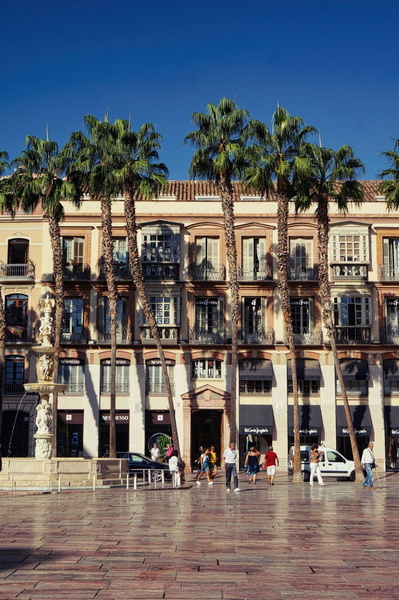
70	433
157	423
361	420
391	414
121	431
256	428
310	424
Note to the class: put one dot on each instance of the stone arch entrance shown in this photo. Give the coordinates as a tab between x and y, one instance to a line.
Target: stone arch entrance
209	408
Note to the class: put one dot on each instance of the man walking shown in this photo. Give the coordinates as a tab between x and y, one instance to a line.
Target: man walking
271	464
230	455
368	463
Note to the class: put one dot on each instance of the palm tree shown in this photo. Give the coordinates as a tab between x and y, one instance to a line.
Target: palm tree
332	176
4	204
137	174
89	165
39	178
220	157
390	187
275	157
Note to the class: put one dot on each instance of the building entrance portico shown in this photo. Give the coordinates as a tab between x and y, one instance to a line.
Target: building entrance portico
206	414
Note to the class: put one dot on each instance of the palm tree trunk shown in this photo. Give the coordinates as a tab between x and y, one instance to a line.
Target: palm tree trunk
2	355
226	194
138	280
323	228
108	253
283	286
56	246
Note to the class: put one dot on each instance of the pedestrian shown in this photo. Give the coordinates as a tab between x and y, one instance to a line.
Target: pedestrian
314	465
212	461
198	462
251	464
271	459
230	456
205	468
174	468
368	463
168	453
155	453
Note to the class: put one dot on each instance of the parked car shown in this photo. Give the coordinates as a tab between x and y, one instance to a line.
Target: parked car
332	463
140	461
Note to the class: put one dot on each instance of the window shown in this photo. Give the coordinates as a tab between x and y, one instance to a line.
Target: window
302	319
305	387
391	377
104	322
356	374
253	258
14	375
206	368
120	251
392	319
160	243
155	382
18	251
308	376
253	319
390	271
16	307
164	309
121	378
72	326
71	373
72	248
301	263
352	317
350	247
207	261
209	320
255	387
255	376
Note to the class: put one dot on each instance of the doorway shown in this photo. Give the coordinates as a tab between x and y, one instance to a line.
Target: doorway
206	431
15	433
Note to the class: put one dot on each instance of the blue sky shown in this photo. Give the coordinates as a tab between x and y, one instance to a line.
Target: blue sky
334	63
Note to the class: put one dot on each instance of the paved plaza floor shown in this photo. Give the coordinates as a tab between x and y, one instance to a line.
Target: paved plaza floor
282	542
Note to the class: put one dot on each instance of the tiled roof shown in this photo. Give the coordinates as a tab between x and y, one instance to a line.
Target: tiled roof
188	191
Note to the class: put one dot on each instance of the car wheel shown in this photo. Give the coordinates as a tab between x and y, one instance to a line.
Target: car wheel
156	477
352	476
305	475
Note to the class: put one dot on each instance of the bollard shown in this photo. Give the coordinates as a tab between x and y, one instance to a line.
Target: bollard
135	481
12	482
94	482
162	477
49	483
59	483
127	481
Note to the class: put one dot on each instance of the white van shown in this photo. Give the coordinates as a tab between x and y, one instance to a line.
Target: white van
332	463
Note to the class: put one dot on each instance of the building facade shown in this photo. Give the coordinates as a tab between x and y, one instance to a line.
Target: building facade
184	265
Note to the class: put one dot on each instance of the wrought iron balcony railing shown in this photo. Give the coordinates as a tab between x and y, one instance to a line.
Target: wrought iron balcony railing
359	335
161	271
76	271
74	389
120	388
158	388
13	270
165	333
199	336
309	337
303	274
254	274
390	336
207	272
13	389
121	270
389	273
123	336
79	335
262	337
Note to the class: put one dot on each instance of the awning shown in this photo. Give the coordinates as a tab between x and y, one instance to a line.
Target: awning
310	422
307	369
255	369
361	420
160	418
71	417
391	369
355	369
391	414
256	419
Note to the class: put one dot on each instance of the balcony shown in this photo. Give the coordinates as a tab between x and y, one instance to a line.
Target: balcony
309	337
14	389
121	270
254	274
160	271
120	388
303	274
17	271
166	334
76	271
19	334
389	273
74	389
355	272
207	273
352	335
199	336
123	336
390	336
263	337
158	389
79	335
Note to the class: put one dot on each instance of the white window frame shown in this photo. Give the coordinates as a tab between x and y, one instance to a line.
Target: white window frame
160	243
350	244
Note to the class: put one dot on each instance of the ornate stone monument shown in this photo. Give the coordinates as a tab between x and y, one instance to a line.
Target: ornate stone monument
45	384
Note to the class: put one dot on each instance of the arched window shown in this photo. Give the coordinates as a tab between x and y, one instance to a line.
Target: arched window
16	306
15	375
122	376
71	372
155	382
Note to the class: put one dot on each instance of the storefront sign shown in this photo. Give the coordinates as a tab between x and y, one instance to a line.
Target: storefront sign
119	418
157	363
206	302
311	431
70	361
362	431
255	430
119	361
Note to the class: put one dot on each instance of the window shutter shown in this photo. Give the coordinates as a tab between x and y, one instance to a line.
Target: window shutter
264	315
247	256
311	315
220	320
78	250
199	250
262	255
101	313
213	253
67	249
